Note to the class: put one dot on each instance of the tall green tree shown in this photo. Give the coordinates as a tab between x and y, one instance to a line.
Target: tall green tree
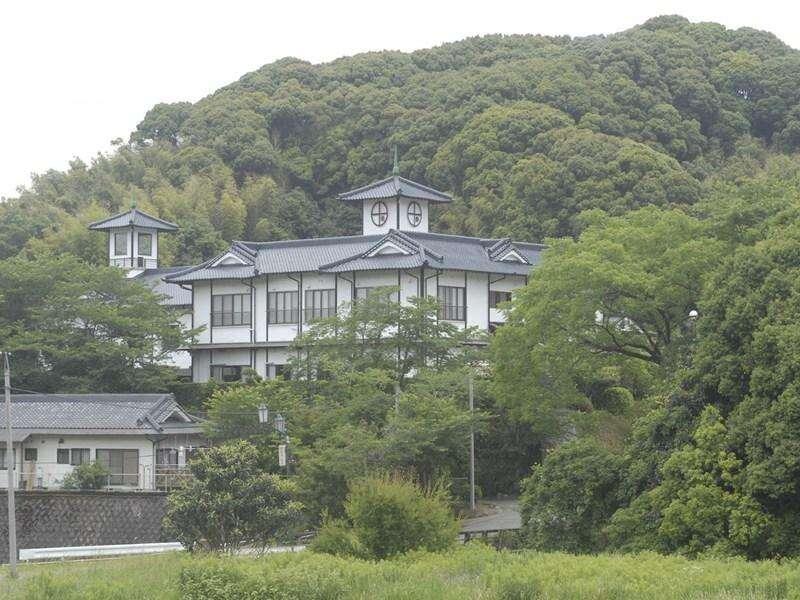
74	327
621	297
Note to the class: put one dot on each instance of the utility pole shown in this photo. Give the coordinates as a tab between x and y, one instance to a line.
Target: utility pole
471	445
12	516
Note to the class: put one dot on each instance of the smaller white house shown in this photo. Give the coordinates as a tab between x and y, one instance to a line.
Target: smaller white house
143	440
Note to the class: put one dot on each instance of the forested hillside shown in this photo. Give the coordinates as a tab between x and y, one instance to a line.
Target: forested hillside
525	131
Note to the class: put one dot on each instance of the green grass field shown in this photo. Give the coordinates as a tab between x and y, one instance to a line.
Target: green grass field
469	572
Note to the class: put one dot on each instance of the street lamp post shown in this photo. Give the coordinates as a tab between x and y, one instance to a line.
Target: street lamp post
279	424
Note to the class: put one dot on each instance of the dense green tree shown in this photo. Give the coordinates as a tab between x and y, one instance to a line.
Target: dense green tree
620	297
231	502
75	327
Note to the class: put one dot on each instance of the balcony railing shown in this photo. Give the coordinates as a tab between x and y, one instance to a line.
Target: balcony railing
134	262
169	477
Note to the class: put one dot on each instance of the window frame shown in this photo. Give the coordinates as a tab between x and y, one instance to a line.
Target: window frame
312	311
124	235
278	316
493	302
446	295
237	368
420	214
84	456
149	237
363	292
125	478
227	315
25	453
59	453
3	454
379	212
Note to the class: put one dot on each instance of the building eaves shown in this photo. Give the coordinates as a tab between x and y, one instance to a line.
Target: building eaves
133	217
392	187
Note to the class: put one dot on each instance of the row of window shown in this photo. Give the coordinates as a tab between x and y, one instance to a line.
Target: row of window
234	309
145	245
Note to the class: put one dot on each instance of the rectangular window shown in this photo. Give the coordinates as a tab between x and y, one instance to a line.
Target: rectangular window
31	454
452	304
496	298
122	464
364	292
167	457
3	464
121	243
230	309
319	304
145	244
283	307
79	456
62	456
226	373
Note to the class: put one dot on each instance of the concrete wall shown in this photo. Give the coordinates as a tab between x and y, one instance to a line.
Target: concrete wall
48	519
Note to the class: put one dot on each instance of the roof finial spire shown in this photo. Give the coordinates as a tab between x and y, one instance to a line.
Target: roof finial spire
396	167
133	201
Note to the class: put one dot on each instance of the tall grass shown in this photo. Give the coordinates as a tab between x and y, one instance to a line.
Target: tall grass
472	572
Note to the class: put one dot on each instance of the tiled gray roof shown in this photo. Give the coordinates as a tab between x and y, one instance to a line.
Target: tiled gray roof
133	217
174	294
93	413
346	254
394	186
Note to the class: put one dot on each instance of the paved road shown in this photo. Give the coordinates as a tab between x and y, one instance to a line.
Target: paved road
505	516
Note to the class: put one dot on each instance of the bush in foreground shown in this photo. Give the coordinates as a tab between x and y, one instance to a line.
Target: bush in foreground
387	516
231	502
88	476
471	572
570	496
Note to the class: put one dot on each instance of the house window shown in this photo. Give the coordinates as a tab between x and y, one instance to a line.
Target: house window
230	309
452	304
79	456
320	304
62	456
3	464
145	244
283	307
364	292
496	298
122	464
31	454
167	457
121	243
226	373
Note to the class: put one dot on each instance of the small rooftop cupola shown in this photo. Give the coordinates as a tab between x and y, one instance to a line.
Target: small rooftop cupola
394	203
133	239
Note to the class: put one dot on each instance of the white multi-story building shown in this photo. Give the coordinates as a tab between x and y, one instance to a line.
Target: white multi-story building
253	300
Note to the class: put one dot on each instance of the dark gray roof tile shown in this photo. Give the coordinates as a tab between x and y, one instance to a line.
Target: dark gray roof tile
394	186
133	217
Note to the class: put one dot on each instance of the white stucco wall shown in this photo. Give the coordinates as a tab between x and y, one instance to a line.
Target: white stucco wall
49	473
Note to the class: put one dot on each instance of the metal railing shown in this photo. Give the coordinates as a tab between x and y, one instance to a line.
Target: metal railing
134	262
169	477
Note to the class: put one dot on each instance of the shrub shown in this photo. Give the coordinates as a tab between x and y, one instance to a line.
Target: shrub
337	537
570	496
88	476
389	516
231	502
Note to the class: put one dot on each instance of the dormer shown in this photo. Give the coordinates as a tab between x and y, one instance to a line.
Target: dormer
133	239
394	203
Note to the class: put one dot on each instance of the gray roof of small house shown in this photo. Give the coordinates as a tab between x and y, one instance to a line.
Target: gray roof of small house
174	294
394	186
350	253
97	414
135	217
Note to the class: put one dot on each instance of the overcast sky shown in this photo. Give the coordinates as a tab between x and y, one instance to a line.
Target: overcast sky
75	75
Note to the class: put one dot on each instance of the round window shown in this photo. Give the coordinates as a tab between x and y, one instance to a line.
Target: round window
414	214
379	214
